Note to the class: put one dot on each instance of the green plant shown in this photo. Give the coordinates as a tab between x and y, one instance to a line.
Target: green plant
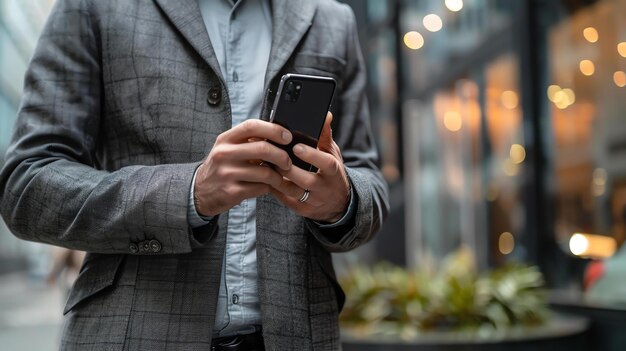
391	300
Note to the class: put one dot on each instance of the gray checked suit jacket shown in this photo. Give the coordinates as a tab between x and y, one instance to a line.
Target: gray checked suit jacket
122	100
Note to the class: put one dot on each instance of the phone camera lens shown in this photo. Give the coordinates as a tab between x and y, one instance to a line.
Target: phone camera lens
292	91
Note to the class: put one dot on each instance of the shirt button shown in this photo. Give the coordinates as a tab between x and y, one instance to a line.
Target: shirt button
155	246
215	96
235	299
133	248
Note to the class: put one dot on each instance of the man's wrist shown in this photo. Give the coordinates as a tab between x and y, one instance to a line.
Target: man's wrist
347	214
194	218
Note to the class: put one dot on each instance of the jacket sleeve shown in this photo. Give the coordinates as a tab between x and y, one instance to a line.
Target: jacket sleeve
353	135
51	190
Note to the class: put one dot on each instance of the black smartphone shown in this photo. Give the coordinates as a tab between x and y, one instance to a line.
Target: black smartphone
301	104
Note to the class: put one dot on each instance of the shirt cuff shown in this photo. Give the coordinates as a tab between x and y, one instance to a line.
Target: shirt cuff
194	219
346	217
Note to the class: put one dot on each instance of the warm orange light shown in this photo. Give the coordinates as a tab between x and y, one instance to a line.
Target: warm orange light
621	48
587	67
506	243
562	98
591	34
592	245
517	153
509	99
432	22
552	90
570	95
413	40
452	120
619	77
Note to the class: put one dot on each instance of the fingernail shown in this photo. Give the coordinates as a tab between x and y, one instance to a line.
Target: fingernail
286	136
298	149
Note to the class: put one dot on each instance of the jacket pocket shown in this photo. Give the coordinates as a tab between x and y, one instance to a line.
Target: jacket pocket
98	272
325	263
317	64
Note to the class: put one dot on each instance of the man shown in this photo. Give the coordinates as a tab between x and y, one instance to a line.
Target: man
122	100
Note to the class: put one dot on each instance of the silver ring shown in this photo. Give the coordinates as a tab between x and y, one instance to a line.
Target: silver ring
305	196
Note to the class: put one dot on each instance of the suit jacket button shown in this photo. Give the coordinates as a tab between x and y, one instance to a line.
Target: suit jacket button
155	246
215	96
145	246
133	248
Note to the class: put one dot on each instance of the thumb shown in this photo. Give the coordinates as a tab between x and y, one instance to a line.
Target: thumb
326	137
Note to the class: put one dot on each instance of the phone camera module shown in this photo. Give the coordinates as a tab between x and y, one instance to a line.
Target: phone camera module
292	91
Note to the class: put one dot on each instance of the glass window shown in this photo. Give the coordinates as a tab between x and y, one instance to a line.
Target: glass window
465	153
585	98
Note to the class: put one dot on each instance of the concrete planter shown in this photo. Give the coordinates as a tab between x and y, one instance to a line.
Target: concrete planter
559	333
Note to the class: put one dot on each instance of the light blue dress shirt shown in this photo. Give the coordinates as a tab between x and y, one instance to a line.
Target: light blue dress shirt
241	36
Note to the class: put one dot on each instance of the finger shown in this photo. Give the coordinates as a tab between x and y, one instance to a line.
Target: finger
289	188
302	178
256	128
305	209
256	190
252	174
326	137
239	191
257	150
287	200
324	161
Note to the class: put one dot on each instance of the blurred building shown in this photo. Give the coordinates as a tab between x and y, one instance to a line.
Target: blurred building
20	24
501	125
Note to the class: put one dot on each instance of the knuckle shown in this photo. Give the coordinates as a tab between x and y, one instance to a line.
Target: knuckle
219	154
265	149
335	167
308	183
232	191
246	126
285	159
250	125
225	173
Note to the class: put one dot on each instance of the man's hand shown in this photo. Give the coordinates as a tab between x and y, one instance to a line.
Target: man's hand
329	188
231	172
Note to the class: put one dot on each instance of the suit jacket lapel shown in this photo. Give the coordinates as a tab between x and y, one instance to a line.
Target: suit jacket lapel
291	19
186	17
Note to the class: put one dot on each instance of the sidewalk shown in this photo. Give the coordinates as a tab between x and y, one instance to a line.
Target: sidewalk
30	313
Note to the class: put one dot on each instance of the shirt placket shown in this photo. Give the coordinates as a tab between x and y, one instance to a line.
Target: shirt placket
238	216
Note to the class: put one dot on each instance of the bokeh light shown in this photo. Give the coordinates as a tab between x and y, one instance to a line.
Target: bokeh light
413	40
591	34
509	99
621	48
619	77
587	67
506	243
517	153
454	5
432	23
452	121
